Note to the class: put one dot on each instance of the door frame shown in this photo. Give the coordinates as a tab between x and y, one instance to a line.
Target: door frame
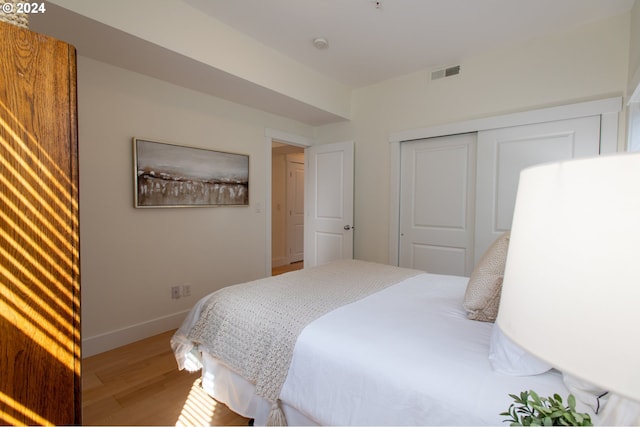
270	136
609	110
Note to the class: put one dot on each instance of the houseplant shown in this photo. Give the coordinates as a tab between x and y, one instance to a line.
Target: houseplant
529	409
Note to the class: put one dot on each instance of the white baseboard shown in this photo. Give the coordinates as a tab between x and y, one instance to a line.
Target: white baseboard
114	339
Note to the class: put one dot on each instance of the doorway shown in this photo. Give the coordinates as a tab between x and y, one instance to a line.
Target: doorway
287	204
323	182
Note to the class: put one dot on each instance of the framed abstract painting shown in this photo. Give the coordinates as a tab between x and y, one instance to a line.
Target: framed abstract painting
169	175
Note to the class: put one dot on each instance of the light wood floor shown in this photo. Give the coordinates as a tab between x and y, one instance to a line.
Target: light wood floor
286	268
139	384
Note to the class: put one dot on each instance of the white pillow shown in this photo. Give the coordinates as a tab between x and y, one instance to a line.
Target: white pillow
509	358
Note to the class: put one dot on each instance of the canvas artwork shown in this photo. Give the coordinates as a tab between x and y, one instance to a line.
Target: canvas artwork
168	175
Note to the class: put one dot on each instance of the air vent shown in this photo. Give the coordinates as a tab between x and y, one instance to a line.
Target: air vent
445	72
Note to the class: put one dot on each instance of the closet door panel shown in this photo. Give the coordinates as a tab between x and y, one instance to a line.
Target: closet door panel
503	153
436	213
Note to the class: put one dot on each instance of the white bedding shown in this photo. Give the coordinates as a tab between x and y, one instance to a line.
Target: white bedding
406	355
411	358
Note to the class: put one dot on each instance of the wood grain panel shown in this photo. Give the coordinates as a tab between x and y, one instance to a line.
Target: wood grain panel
39	242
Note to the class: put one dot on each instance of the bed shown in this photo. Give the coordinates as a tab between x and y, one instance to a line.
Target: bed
404	352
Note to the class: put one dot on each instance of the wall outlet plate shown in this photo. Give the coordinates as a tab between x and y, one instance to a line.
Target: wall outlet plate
175	292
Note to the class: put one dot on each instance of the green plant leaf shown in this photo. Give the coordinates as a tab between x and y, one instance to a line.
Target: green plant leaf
529	409
571	401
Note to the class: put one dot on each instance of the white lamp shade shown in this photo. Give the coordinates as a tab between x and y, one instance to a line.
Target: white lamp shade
571	291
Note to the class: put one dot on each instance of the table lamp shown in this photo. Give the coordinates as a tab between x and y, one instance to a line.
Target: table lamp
571	290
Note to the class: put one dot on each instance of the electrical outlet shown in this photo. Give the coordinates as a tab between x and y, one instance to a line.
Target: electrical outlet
175	292
186	290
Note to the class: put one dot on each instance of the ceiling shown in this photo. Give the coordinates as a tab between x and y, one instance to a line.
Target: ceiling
371	41
368	41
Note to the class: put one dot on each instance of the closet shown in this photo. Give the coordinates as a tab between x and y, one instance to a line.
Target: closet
457	192
39	231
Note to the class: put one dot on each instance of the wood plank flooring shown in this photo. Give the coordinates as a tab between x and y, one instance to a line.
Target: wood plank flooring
139	384
287	267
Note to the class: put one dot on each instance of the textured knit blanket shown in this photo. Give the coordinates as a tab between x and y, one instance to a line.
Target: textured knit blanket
253	327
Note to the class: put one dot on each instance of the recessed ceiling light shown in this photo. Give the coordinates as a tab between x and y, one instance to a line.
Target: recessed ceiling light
320	43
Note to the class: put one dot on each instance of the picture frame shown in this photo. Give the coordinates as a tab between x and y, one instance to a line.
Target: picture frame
168	175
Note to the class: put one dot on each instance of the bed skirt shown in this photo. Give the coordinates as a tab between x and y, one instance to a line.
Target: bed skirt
226	386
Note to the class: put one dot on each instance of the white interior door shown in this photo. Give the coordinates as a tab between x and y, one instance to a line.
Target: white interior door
437	205
295	211
328	203
503	153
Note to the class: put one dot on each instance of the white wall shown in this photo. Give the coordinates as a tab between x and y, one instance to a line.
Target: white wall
131	257
586	63
633	88
634	49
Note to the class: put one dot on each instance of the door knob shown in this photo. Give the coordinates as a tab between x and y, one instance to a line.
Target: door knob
348	227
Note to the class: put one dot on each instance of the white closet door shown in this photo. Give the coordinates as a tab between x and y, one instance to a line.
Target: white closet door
503	153
436	204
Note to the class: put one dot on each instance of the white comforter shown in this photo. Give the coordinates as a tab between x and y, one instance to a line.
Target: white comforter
404	356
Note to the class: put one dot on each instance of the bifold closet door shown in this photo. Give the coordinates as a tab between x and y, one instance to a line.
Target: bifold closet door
503	153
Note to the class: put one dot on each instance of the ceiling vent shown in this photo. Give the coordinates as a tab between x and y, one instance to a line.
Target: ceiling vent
445	72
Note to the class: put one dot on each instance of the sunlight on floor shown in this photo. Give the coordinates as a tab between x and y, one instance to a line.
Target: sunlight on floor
198	410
